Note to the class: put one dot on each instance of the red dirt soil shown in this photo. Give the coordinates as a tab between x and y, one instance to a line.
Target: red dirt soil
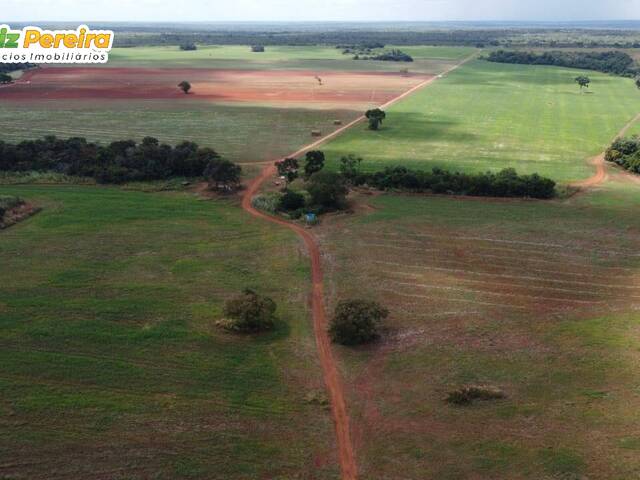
346	453
52	83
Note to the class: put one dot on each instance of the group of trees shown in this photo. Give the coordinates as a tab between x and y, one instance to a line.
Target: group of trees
188	46
506	183
326	191
615	62
393	55
626	153
354	321
257	48
120	161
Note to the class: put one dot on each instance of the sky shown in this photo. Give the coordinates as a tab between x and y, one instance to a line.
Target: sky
317	10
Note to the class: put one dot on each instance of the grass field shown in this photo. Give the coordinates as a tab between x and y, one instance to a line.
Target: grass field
241	133
255	130
537	298
110	365
427	59
487	116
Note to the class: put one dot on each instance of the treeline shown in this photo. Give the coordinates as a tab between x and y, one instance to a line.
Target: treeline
615	62
626	153
393	55
506	183
118	162
12	67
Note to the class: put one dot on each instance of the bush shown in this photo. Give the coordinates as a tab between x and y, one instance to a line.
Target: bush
268	202
328	192
257	48
188	46
291	201
356	322
249	312
466	395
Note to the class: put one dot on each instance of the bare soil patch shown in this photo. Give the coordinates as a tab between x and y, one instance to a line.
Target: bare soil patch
360	88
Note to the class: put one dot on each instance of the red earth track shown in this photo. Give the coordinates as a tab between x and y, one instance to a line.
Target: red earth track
346	455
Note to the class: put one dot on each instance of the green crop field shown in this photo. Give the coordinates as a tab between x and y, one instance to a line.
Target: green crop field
536	298
426	59
487	116
240	133
111	366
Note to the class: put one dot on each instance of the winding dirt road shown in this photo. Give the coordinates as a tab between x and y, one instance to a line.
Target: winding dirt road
345	449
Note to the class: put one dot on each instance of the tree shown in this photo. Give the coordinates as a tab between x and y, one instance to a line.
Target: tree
327	191
583	81
222	174
249	312
314	162
356	322
375	117
288	168
188	46
350	167
184	86
291	201
638	82
257	48
5	78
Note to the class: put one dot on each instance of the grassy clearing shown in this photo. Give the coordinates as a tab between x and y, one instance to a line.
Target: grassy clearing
110	365
487	116
536	298
240	133
427	59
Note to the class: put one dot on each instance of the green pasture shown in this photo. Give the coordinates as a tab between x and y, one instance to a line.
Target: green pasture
241	133
427	59
571	375
487	116
110	363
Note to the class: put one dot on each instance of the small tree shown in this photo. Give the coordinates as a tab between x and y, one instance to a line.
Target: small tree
327	191
375	117
5	78
249	312
583	81
350	167
222	174
188	46
638	82
257	48
291	201
288	168
356	322
314	162
184	86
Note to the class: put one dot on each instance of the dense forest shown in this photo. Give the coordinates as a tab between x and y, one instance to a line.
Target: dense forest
615	62
506	183
118	162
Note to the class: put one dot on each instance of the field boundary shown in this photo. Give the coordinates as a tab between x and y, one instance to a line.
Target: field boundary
346	455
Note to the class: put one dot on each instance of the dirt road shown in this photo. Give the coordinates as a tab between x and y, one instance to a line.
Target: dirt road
346	454
599	162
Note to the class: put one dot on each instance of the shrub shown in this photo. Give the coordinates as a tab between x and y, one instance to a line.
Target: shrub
249	312
356	322
257	48
268	202
466	395
291	201
328	192
188	46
